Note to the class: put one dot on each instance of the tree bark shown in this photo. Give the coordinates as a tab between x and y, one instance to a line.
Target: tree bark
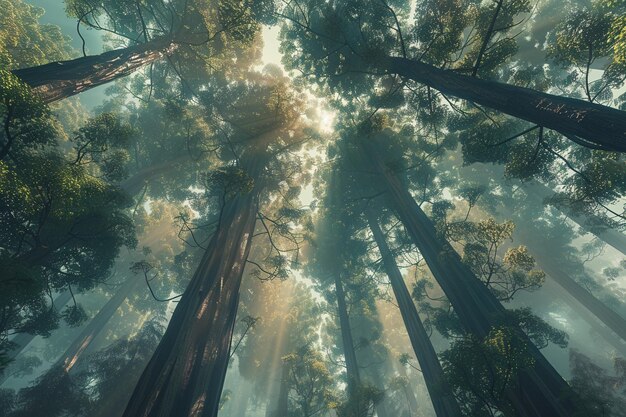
58	80
186	374
586	123
441	393
352	367
538	391
82	344
590	224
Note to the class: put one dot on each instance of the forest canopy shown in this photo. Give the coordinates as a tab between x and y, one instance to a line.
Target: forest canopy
304	208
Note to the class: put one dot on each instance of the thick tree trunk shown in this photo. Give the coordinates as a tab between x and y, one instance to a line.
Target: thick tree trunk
441	394
352	367
578	119
62	79
538	391
82	344
589	223
186	374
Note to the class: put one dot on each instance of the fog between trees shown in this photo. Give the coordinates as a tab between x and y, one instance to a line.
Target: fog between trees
254	208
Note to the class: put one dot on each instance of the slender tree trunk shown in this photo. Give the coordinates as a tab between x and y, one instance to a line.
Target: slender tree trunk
589	223
82	344
186	374
22	340
547	262
585	123
352	367
62	79
537	391
241	399
411	399
282	408
441	393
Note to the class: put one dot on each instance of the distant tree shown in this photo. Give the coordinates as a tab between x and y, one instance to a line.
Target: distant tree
605	393
310	382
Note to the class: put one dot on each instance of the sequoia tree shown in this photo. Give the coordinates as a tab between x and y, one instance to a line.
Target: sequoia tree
186	374
356	46
187	33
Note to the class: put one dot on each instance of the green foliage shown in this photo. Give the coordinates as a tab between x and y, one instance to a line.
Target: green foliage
74	315
583	38
104	140
481	371
601	393
27	122
24	42
361	403
229	182
482	241
310	381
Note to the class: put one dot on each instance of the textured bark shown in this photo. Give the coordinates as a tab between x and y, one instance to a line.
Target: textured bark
599	125
186	374
440	392
352	367
62	79
83	343
590	224
538	391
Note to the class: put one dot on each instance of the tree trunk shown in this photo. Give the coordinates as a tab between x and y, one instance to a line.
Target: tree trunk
441	394
411	399
186	374
62	79
607	316
586	123
538	391
82	344
282	408
589	223
352	367
241	399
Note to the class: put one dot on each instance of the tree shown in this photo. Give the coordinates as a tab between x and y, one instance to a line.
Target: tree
188	34
178	379
328	41
70	224
310	381
545	385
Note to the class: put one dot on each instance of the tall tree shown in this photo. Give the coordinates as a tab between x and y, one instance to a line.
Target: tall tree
351	46
536	390
440	392
186	374
187	33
